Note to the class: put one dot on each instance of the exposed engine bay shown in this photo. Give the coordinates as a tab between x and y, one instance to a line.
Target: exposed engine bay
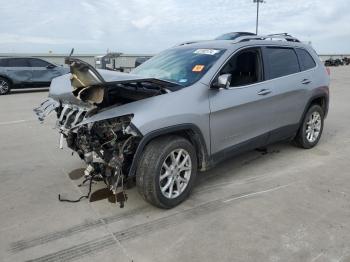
107	146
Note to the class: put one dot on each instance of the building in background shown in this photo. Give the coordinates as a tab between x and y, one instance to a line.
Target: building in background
119	61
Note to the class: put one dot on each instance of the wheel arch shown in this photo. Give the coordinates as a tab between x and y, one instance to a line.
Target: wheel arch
189	131
300	139
7	78
321	99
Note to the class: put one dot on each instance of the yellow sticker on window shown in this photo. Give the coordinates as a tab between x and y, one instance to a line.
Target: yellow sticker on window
197	68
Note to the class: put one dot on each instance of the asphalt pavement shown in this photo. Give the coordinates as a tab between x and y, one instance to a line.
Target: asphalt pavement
288	204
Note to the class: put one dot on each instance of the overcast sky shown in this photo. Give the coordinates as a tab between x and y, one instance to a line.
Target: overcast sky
148	26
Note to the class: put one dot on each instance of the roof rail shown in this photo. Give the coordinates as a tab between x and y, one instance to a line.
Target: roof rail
280	37
283	34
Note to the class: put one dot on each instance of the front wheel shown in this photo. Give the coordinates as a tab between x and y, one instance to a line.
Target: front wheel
5	86
167	171
311	128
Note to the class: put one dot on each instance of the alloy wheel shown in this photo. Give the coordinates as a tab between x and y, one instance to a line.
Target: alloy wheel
313	127
4	87
175	173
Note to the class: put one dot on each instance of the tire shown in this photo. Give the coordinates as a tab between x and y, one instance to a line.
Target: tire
150	168
5	86
308	139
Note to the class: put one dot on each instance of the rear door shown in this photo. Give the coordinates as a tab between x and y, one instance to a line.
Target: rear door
308	74
283	74
18	69
43	72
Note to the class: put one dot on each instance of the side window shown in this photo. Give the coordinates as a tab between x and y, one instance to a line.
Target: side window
18	62
305	59
3	62
245	67
38	62
281	61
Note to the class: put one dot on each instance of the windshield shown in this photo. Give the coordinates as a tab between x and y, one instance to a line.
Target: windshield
183	66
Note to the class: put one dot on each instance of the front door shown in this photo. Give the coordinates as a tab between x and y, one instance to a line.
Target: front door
42	71
241	114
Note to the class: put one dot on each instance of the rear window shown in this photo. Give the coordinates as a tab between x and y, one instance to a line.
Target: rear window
18	62
281	61
305	59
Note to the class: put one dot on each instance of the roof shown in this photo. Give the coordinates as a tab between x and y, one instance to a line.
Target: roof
231	45
280	39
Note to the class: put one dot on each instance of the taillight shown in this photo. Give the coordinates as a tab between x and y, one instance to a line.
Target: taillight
328	71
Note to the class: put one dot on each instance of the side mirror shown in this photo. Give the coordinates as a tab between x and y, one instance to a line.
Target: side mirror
50	66
223	81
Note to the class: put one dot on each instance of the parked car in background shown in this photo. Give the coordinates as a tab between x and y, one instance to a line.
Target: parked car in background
346	61
187	109
21	72
334	62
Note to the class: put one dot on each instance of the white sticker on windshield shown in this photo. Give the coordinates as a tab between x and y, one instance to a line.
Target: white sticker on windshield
206	51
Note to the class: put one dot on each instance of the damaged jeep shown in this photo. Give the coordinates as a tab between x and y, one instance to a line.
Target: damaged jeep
187	109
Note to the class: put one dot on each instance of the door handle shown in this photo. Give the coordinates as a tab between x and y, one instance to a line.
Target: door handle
306	81
264	92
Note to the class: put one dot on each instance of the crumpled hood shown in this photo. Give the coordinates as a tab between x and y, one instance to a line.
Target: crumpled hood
87	85
112	76
61	88
87	95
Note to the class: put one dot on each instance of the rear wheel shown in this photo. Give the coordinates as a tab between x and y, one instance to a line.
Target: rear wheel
167	171
311	129
5	86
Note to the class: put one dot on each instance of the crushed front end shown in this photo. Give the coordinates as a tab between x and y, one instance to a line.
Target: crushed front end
107	146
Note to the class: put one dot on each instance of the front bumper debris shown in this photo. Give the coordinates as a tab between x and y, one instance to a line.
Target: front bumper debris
45	108
68	115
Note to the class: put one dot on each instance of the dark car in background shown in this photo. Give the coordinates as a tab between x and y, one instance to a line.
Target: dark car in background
337	62
22	72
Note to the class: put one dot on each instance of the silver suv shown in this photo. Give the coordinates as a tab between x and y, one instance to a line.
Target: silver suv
187	109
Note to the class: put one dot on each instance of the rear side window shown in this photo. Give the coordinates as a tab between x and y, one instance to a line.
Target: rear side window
18	62
305	59
38	63
3	62
281	61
